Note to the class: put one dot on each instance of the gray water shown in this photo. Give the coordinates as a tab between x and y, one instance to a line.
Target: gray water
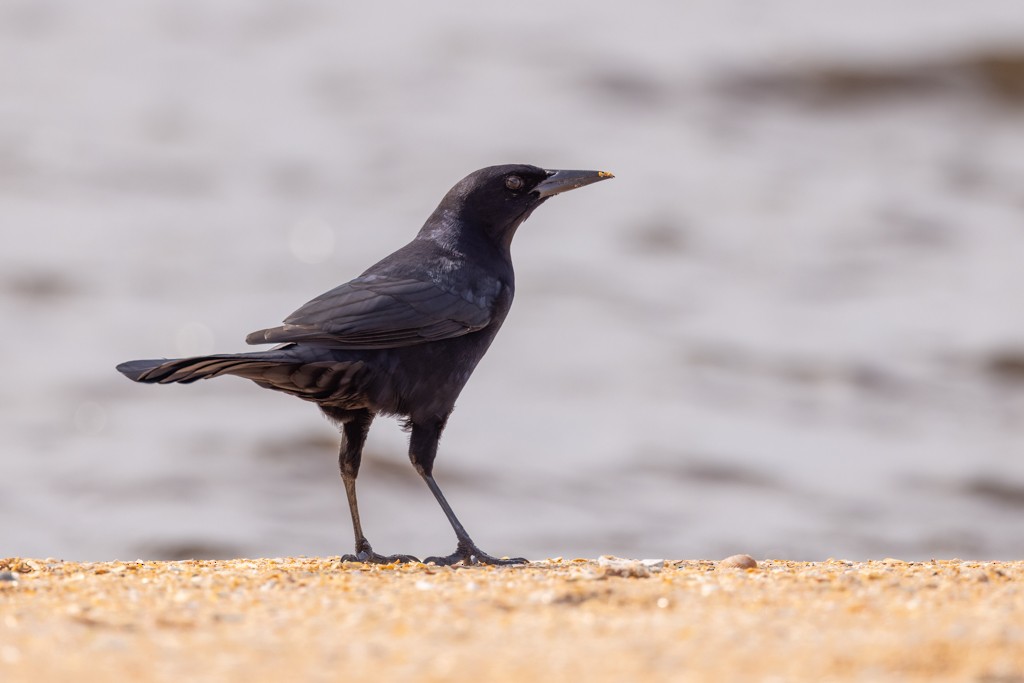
792	326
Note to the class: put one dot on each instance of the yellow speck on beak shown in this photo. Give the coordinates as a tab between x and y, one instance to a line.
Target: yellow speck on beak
604	174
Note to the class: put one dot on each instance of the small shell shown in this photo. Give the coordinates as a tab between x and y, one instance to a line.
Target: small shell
617	566
738	562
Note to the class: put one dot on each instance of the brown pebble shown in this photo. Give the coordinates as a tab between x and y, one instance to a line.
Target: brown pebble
738	562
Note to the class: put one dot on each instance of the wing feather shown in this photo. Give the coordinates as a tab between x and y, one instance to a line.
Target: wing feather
373	312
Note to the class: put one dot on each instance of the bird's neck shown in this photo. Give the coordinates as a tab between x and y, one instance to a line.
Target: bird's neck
448	231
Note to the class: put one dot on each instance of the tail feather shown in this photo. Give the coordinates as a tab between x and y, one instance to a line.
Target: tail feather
187	370
143	370
309	378
204	368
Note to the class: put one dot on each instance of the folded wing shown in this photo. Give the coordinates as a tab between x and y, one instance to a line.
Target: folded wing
375	312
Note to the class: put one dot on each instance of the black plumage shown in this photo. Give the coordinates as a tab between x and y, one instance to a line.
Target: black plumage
404	337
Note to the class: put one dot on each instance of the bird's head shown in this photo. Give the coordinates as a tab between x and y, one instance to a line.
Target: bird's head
497	199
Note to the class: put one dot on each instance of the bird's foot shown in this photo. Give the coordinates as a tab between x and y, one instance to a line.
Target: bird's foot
370	557
469	554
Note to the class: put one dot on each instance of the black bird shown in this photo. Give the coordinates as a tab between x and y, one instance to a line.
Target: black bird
402	338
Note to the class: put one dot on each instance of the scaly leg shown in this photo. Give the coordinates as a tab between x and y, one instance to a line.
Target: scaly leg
349	458
422	451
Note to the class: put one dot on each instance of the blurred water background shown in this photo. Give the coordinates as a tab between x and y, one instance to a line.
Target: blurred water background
792	326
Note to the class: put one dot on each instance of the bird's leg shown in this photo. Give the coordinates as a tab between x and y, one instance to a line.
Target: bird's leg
466	551
422	451
349	457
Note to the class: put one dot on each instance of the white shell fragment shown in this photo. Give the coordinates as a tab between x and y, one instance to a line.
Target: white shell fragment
618	566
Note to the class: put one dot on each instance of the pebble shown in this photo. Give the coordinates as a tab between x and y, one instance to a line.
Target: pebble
9	576
617	566
738	562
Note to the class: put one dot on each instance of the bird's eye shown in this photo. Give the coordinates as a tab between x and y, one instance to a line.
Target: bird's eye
514	182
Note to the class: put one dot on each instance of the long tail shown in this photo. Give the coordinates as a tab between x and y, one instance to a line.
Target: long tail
187	370
311	378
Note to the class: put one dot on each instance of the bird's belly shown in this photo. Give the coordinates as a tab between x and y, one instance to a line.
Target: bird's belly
423	382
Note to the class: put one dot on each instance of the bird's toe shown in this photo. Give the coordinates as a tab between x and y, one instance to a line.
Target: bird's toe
472	555
370	557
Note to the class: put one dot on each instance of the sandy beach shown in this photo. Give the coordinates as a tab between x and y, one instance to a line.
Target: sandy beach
310	619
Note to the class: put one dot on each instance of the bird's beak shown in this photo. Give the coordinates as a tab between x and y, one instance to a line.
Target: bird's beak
563	181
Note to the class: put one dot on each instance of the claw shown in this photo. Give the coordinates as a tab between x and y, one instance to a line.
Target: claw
370	557
471	555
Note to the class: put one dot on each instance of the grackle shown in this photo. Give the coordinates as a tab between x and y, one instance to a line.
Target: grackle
403	338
